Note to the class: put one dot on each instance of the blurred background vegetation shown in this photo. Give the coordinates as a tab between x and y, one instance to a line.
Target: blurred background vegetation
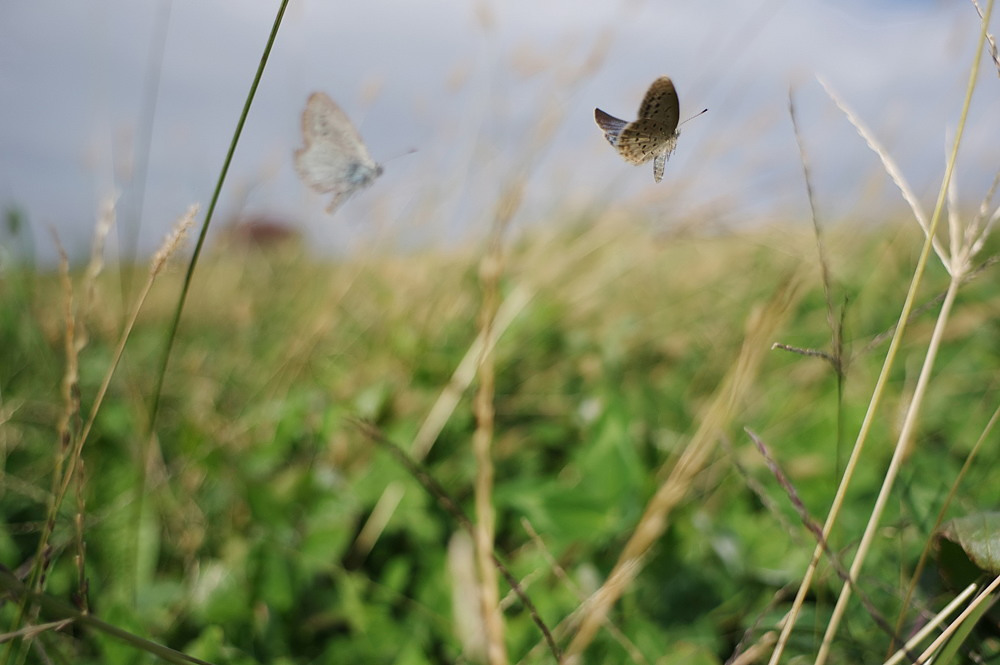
248	545
264	516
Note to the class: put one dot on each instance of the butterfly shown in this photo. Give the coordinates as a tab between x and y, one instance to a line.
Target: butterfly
653	135
334	159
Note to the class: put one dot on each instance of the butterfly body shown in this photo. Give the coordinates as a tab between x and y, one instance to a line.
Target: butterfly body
653	135
334	158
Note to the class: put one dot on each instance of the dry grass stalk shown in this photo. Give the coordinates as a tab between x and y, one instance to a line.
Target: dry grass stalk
993	42
930	229
69	462
931	625
30	632
942	512
67	466
956	263
170	245
491	272
760	330
986	595
891	169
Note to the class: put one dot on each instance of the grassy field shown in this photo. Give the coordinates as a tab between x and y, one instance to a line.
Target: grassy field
268	524
588	442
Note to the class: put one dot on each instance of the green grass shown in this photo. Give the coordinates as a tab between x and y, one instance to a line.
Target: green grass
261	481
247	501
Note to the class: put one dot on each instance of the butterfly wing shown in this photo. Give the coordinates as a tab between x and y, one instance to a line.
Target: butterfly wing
644	139
661	104
611	125
653	135
658	164
334	158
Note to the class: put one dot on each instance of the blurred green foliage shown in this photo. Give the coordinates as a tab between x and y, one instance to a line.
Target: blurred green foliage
246	547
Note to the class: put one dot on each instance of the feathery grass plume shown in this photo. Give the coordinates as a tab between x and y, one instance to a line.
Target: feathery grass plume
76	473
890	166
105	221
66	427
70	388
836	357
67	467
174	241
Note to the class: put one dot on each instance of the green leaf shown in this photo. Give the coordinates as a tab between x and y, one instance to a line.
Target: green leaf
968	547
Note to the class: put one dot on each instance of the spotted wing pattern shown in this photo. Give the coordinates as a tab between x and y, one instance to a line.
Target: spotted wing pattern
660	103
643	139
653	135
334	158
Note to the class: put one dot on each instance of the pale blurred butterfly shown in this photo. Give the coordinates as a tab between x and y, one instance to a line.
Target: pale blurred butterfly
653	135
334	159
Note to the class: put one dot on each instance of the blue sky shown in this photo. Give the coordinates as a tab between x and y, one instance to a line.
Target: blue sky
466	85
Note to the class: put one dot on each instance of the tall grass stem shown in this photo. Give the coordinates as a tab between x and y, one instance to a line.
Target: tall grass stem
175	321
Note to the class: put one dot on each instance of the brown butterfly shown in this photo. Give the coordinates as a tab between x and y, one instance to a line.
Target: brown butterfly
653	135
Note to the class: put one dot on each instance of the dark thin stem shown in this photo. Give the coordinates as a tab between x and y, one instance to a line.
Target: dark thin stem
434	488
59	610
836	323
817	531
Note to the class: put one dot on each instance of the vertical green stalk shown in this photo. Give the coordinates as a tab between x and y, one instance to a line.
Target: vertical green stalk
175	322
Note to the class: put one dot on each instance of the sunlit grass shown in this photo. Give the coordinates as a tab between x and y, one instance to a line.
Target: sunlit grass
576	401
263	483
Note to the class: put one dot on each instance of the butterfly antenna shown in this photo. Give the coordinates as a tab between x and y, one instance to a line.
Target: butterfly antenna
695	115
409	151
